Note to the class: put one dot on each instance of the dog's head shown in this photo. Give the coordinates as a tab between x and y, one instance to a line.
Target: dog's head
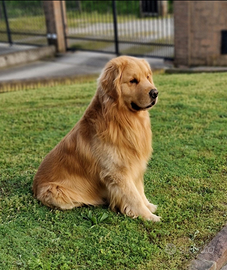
128	81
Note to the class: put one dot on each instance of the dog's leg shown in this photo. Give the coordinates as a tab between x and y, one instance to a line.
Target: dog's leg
152	207
125	196
140	187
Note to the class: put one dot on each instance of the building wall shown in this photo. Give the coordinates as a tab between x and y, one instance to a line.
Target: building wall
198	26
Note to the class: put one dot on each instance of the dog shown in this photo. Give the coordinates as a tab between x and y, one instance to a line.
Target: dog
102	160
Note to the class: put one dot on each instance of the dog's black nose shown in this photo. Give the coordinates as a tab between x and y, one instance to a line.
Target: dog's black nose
153	93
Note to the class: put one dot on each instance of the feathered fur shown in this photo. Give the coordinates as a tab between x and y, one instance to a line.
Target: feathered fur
102	160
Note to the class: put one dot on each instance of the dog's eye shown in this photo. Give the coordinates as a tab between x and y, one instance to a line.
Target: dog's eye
148	76
134	81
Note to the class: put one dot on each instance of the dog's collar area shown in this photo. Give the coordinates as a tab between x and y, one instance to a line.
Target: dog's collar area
137	108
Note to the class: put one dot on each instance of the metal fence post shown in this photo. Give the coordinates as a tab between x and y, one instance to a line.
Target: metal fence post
7	23
115	27
64	22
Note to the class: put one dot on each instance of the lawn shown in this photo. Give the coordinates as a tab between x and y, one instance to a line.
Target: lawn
186	177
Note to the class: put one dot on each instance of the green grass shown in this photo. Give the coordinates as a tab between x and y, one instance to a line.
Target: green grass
186	177
90	45
144	49
25	24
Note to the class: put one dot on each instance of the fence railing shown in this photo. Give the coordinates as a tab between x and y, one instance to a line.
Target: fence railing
122	27
22	22
141	28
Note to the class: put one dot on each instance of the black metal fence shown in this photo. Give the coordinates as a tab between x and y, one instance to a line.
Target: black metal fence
138	27
141	28
22	22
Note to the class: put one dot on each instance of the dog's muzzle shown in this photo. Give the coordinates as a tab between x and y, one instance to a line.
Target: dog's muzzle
154	97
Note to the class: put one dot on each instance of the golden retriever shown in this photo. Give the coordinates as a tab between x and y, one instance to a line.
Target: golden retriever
102	160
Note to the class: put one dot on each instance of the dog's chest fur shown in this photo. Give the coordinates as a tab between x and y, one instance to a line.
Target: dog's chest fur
123	140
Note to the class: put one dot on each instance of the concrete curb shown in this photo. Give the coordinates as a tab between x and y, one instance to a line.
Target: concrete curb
214	255
26	56
195	70
25	84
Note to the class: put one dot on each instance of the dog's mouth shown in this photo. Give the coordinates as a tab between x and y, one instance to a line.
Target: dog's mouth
135	107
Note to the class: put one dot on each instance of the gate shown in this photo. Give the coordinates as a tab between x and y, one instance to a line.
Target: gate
140	28
22	22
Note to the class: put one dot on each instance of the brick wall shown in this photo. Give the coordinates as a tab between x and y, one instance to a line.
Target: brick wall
198	26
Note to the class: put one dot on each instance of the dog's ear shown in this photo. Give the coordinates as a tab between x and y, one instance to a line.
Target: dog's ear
109	79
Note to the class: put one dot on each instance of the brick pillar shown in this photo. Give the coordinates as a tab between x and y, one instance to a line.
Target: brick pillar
181	34
55	14
198	32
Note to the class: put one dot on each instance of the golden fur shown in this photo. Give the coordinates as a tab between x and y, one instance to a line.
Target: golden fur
102	160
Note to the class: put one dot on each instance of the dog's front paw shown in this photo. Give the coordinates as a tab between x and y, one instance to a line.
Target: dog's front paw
147	215
143	212
154	218
152	207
